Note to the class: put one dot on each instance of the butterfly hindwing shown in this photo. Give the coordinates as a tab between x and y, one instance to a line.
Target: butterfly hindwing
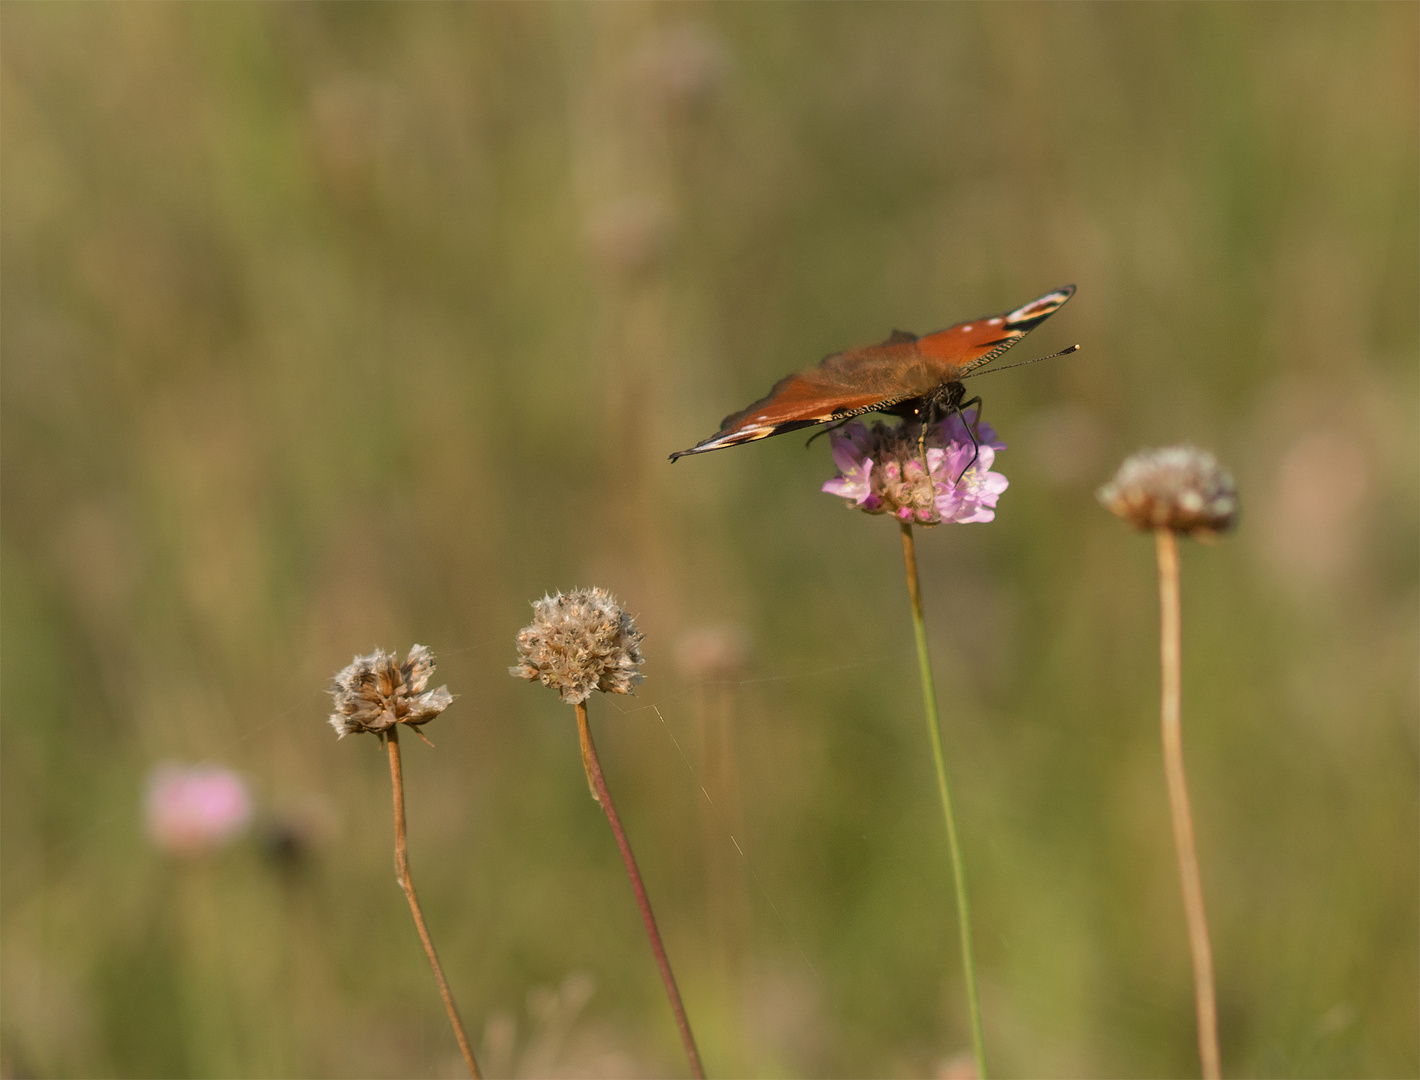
796	401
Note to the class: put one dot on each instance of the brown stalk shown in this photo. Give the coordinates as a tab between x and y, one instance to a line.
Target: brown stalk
1170	650
401	865
599	789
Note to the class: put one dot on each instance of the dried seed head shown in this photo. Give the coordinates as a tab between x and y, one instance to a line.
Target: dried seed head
1180	488
579	642
376	692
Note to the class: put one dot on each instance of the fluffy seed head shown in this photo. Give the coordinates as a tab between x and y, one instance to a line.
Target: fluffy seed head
880	471
579	642
376	692
1180	488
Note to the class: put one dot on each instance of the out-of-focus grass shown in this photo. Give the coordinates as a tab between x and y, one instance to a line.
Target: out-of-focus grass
327	327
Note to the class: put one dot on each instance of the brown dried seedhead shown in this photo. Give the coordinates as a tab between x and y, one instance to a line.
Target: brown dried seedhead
1180	488
579	642
376	692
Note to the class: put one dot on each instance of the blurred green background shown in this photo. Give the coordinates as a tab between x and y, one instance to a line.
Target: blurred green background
328	327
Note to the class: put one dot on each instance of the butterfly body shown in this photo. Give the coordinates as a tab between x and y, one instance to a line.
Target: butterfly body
903	376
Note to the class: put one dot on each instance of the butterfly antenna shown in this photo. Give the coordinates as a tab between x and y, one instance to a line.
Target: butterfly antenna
824	431
1022	363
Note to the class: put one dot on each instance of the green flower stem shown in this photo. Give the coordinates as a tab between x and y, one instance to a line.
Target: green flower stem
934	728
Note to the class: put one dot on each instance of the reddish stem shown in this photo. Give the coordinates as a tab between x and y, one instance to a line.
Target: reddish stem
598	782
401	865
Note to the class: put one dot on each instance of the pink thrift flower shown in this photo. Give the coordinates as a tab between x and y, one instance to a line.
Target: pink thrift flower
850	454
192	810
973	497
880	471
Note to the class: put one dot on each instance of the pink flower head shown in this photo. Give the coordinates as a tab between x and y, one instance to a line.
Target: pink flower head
192	810
880	471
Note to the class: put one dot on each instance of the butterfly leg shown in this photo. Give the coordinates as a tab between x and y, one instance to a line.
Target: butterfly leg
939	406
974	425
926	421
970	425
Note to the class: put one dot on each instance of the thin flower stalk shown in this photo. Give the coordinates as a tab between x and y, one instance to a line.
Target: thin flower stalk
1170	653
580	643
375	694
934	731
603	796
401	864
1179	490
927	476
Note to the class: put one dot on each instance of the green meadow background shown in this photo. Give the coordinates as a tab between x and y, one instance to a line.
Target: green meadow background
328	327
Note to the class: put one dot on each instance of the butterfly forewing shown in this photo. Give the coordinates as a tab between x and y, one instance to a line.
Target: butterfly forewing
873	377
967	346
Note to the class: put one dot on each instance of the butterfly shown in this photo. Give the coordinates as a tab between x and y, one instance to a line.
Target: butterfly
906	376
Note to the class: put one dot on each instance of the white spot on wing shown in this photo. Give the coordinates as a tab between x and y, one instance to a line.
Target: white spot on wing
1032	309
966	329
994	322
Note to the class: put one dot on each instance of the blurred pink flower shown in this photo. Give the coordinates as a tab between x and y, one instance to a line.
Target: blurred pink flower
880	471
192	810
